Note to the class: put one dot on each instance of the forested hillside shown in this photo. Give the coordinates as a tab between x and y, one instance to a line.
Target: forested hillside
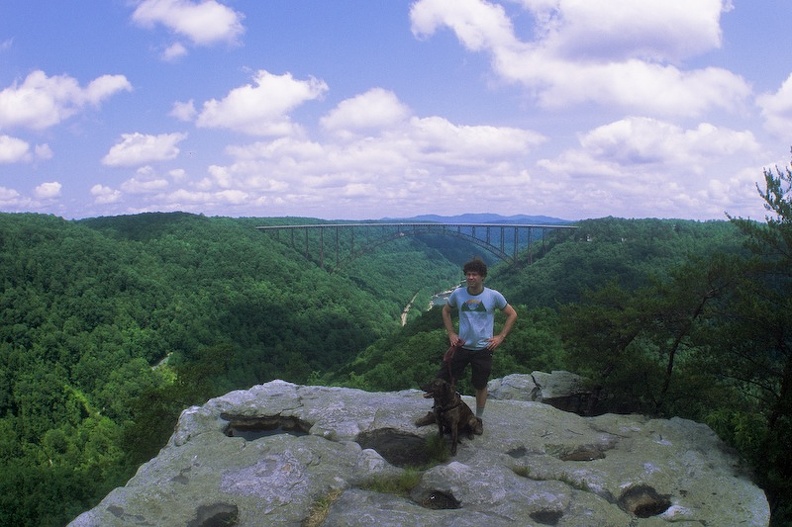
111	326
664	317
630	254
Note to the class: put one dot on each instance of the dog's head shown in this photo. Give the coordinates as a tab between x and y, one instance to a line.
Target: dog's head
439	389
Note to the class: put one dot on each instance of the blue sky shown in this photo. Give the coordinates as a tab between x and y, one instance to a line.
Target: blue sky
364	109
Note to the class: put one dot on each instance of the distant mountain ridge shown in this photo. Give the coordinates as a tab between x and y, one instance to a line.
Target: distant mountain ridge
484	218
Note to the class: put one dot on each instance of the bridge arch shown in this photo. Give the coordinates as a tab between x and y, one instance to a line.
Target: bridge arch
349	241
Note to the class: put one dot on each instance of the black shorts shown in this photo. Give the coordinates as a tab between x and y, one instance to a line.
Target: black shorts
480	362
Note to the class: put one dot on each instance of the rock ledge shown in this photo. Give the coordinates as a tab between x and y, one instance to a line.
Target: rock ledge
277	453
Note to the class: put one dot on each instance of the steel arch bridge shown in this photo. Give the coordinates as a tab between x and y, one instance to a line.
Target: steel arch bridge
345	242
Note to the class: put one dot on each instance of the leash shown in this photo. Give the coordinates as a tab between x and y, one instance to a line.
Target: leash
449	355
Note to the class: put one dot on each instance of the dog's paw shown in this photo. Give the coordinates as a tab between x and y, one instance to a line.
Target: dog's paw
479	428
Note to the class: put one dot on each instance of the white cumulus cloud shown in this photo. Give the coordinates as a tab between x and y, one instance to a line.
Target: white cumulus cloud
40	102
637	140
104	195
43	151
183	111
379	152
10	197
48	190
621	53
203	23
618	30
13	150
637	163
261	108
174	52
146	181
375	109
777	109
139	149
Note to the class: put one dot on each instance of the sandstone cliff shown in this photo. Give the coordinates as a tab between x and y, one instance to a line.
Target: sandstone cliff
282	454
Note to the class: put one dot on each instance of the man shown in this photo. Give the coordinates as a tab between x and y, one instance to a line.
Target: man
475	342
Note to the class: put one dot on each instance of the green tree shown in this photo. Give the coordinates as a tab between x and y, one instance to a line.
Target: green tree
757	348
534	344
640	346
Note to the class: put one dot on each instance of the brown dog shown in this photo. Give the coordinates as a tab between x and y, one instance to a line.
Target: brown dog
450	412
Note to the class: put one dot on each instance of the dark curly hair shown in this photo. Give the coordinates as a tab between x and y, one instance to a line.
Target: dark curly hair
475	266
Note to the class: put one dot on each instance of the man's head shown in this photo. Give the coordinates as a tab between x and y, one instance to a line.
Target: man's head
475	266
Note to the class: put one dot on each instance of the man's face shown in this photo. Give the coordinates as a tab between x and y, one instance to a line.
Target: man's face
474	280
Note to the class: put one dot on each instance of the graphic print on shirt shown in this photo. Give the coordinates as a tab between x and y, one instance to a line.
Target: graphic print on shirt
474	304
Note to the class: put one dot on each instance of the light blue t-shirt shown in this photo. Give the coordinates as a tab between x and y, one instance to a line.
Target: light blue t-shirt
476	315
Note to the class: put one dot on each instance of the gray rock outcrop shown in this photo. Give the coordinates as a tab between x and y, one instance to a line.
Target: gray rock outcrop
283	454
562	389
